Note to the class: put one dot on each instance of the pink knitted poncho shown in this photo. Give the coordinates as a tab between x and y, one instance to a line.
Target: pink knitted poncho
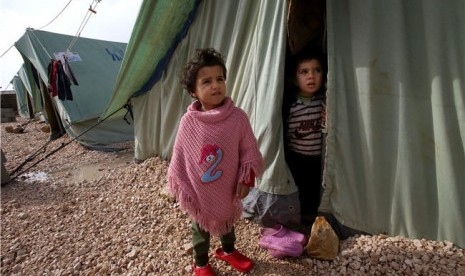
213	152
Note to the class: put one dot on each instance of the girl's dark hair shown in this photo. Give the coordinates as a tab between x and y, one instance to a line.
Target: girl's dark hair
204	57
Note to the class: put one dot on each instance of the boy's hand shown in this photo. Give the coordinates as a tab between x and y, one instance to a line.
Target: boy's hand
242	190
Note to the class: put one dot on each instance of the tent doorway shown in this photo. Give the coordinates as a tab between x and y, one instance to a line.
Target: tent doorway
306	31
306	25
56	127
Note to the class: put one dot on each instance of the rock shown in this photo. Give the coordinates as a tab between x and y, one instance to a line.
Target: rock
323	243
149	267
188	248
133	254
22	215
45	128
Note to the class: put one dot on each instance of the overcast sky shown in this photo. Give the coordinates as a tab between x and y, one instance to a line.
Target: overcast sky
114	20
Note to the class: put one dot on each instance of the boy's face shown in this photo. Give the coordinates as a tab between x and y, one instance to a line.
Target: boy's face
210	87
309	77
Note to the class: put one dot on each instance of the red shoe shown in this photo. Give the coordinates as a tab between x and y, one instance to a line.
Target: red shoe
204	271
235	259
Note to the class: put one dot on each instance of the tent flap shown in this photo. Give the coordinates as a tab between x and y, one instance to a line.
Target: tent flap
157	31
396	141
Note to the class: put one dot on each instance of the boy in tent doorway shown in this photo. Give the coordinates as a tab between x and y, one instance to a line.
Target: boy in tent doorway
214	163
304	119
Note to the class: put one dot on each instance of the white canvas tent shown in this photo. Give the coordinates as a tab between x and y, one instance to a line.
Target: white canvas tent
395	154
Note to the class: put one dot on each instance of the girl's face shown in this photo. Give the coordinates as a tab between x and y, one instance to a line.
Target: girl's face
309	76
210	87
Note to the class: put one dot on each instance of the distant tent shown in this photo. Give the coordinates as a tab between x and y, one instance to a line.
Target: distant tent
28	93
395	154
21	98
29	82
95	65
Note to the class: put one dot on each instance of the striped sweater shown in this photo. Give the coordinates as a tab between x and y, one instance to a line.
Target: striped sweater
213	152
304	126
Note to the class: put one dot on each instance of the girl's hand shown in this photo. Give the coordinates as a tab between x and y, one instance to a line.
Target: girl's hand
242	190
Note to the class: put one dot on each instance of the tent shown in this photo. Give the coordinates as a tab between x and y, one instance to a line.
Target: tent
21	97
28	93
29	83
395	148
94	65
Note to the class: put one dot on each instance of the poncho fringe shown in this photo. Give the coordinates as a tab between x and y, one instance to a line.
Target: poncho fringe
186	203
247	168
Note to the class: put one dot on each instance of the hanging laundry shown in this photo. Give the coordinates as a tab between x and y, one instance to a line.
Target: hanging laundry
63	83
52	78
68	71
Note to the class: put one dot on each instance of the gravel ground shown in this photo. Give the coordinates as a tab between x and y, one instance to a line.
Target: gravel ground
82	212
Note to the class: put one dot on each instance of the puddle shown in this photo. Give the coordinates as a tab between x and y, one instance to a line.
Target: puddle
35	176
93	171
87	172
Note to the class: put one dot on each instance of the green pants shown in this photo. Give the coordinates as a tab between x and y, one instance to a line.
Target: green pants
201	243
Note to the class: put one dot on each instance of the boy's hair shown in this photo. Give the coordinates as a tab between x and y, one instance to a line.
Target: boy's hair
204	57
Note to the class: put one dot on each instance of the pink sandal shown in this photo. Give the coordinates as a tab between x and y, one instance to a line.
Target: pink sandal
280	231
280	247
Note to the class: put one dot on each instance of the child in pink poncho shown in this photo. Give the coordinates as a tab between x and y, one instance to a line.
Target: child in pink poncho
214	163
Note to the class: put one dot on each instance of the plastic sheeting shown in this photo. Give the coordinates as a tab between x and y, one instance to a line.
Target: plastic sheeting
396	141
270	209
32	89
21	97
158	29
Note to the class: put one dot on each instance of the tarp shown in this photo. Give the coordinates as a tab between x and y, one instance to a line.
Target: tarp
21	97
395	149
153	40
31	87
396	143
95	64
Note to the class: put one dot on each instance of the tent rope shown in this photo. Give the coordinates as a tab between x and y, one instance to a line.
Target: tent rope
30	158
41	27
57	15
90	11
7	51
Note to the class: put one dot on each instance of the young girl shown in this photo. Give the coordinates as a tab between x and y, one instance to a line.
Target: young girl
214	163
304	120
